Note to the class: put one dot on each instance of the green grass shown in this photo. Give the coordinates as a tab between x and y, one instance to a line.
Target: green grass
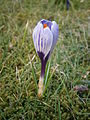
20	66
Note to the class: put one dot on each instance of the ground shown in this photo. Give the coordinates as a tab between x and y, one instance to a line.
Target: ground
67	68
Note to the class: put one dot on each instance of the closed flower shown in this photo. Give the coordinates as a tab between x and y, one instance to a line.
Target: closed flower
45	36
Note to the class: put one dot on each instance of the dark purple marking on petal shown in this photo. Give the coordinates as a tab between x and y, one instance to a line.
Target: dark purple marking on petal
49	25
41	43
43	21
47	57
43	62
41	55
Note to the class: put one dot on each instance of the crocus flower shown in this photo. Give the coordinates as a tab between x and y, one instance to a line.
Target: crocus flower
45	36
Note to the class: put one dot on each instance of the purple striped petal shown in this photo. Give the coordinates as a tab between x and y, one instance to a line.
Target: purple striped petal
55	32
43	39
36	35
48	40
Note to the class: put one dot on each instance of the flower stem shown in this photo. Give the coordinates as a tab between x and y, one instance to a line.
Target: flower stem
41	80
40	86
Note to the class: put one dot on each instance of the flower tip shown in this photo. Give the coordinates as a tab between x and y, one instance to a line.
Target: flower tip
45	25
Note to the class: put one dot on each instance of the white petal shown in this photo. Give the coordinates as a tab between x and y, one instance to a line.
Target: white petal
48	40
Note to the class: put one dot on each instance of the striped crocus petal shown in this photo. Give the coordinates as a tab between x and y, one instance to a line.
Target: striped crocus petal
36	35
55	32
43	39
48	40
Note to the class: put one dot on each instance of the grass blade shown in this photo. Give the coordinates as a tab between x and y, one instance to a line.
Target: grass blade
34	76
47	73
59	111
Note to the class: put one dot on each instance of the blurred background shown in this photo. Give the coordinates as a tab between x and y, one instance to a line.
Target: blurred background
68	90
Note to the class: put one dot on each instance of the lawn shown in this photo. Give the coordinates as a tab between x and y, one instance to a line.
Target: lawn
67	93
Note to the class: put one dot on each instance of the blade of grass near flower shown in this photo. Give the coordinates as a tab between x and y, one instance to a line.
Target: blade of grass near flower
49	79
59	87
34	76
47	72
2	114
55	104
25	32
59	111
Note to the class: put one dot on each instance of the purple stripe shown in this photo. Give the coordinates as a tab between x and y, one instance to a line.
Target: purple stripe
43	62
39	42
